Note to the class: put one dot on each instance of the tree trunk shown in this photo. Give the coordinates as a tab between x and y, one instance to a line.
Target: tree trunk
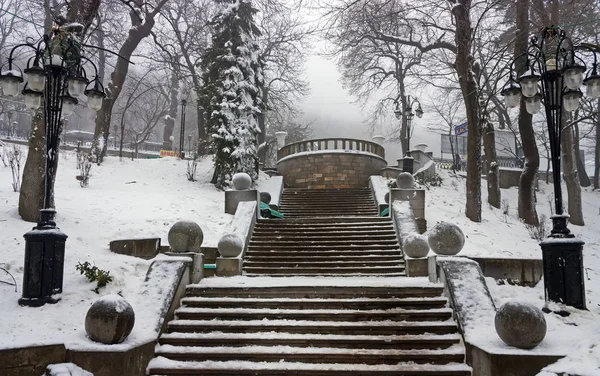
31	195
470	92
597	153
138	32
493	178
170	120
526	201
570	175
584	179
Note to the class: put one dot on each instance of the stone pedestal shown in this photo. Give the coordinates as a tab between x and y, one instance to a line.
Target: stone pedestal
233	198
432	268
196	267
228	267
416	267
416	197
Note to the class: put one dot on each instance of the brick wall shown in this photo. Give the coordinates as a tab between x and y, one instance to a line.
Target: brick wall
329	170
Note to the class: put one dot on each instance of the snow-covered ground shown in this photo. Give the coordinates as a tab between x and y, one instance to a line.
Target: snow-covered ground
125	199
143	198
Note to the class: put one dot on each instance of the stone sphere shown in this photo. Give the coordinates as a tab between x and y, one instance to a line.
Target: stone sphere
386	198
520	324
241	181
265	197
185	236
109	320
230	245
446	239
415	245
405	181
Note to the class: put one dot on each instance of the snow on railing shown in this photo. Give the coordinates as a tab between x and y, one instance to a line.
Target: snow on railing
325	144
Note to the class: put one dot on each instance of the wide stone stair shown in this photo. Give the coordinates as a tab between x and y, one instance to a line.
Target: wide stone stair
323	295
325	232
311	330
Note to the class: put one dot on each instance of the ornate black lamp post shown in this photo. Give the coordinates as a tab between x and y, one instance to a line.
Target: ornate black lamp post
551	60
182	133
55	74
408	161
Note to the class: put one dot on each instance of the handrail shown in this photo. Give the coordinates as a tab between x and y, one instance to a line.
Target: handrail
324	144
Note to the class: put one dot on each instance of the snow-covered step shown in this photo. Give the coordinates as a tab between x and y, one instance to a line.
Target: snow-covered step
311	354
315	303
419	341
323	270
330	247
394	314
168	367
324	242
326	237
308	252
332	262
324	258
317	291
384	231
315	327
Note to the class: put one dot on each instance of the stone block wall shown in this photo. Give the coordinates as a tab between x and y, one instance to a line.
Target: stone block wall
329	170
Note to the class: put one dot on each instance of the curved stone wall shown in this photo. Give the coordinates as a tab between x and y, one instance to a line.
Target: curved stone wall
330	169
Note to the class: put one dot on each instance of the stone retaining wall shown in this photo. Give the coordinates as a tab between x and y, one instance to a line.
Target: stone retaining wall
320	170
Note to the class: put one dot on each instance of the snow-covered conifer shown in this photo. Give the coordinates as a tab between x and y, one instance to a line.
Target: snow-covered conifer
232	76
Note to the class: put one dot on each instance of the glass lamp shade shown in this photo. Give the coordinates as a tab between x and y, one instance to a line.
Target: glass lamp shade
36	78
10	83
571	99
77	86
551	64
33	99
419	112
68	104
512	96
410	116
95	102
592	84
528	82
55	60
398	114
574	76
533	104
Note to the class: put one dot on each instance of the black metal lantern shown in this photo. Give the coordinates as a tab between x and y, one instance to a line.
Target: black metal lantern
55	74
553	61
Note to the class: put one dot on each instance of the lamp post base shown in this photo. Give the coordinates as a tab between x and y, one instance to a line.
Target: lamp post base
563	265
408	163
44	262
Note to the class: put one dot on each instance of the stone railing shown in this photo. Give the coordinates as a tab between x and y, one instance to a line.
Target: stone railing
330	163
346	144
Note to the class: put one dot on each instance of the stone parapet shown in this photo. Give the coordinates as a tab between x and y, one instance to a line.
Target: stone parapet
330	169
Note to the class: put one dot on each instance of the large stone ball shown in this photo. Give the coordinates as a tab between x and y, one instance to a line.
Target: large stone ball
185	236
405	180
446	239
520	324
386	198
415	245
230	245
265	197
241	181
109	320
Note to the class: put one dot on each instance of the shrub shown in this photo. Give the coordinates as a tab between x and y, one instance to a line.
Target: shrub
429	181
94	274
540	231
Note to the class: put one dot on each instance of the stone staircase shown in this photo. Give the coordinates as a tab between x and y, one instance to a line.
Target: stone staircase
323	295
325	232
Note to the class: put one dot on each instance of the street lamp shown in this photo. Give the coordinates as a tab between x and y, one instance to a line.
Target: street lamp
182	132
407	161
55	74
551	61
190	143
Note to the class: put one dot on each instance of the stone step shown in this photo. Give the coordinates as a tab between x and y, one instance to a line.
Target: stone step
313	327
167	367
331	274
323	242
326	220
324	270
396	314
275	237
319	259
323	292
260	263
262	232
315	303
316	253
422	341
311	355
336	247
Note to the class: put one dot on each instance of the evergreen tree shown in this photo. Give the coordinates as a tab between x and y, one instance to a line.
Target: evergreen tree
233	79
